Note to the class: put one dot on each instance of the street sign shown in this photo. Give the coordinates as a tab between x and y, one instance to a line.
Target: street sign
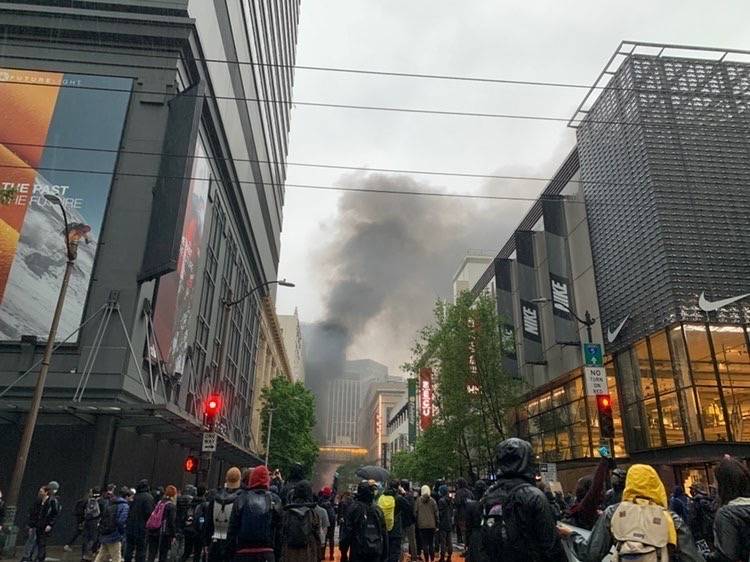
592	355
209	442
548	472
596	381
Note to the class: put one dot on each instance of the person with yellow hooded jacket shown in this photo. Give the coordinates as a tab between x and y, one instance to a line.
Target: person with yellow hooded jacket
642	485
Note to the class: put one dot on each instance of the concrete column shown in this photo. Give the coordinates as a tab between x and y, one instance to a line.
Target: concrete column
101	452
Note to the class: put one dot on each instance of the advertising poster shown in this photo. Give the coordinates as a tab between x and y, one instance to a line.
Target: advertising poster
176	296
45	121
533	351
412	410
425	398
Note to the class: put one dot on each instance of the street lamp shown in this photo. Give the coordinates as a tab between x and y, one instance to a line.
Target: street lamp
587	320
14	489
268	437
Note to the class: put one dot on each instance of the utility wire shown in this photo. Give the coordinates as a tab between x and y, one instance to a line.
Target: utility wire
160	154
341	70
259	184
378	108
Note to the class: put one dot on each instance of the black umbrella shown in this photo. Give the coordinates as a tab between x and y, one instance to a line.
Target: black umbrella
377	473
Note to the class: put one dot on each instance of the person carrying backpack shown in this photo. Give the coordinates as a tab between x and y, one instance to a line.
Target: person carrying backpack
408	520
255	520
473	535
112	527
702	515
679	503
326	502
184	517
218	512
92	514
640	527
363	535
517	518
445	524
395	508
78	514
732	522
135	528
160	527
300	534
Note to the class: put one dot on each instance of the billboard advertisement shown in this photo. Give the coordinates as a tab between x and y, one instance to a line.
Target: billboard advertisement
175	299
533	351
504	284
425	398
47	118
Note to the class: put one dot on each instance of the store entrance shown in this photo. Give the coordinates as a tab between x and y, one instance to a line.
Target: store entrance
690	474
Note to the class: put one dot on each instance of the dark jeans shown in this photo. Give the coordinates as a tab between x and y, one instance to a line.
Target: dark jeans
394	549
217	551
445	540
159	544
78	533
259	557
192	546
427	540
41	545
135	544
90	539
329	540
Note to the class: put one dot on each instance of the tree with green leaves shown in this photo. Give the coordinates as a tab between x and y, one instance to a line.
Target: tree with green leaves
293	421
473	394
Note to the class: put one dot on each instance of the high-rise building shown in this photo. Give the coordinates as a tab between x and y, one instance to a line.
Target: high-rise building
294	344
161	127
473	265
643	233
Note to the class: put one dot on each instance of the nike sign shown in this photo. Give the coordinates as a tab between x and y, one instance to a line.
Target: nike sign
612	335
710	306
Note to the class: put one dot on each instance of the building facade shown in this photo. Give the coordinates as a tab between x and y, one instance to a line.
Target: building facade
294	344
397	431
646	227
472	267
171	169
378	407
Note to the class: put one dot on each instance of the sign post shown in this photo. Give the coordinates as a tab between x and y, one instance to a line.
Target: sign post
594	371
548	472
209	442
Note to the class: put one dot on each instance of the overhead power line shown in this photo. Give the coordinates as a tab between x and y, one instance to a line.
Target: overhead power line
345	70
383	108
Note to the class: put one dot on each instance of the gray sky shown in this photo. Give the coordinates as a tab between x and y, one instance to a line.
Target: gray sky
399	253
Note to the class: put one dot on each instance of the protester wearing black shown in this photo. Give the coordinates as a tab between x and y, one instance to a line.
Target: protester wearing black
95	505
48	511
135	528
463	496
185	517
679	503
520	508
445	524
732	523
400	513
614	494
473	538
218	512
78	515
363	536
408	519
255	523
301	527
296	475
702	514
325	501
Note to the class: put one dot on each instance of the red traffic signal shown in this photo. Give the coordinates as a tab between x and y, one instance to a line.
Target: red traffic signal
191	464
606	423
604	403
212	405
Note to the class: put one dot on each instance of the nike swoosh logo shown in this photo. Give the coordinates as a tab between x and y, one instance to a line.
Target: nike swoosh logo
710	306
612	335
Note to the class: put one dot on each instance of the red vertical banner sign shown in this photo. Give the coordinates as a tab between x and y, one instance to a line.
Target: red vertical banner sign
425	398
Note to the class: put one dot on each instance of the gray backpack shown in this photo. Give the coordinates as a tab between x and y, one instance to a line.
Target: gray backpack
641	532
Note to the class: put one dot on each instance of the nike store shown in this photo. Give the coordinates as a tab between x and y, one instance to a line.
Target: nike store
645	229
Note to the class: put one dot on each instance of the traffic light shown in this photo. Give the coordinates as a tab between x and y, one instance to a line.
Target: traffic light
211	409
606	423
191	464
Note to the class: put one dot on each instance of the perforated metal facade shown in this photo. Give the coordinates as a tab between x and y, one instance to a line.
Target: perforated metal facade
665	157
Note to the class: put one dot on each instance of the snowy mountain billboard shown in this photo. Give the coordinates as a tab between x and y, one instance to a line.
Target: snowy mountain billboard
59	134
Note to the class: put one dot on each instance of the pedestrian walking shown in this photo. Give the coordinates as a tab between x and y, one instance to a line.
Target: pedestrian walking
300	535
255	521
326	502
363	536
184	517
702	515
194	529
135	528
517	517
462	499
474	552
732	522
78	516
394	506
445	524
30	546
426	512
639	525
161	526
46	512
92	514
218	511
112	523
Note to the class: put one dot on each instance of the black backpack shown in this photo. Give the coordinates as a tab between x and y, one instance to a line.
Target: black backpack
496	514
108	521
256	520
328	506
299	526
369	539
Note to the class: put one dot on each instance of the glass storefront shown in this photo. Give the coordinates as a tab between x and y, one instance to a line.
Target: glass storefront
688	383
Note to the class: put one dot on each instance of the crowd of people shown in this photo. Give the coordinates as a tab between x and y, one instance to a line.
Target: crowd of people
258	517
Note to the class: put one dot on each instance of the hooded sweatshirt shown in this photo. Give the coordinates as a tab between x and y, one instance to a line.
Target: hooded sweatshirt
732	531
426	510
642	483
